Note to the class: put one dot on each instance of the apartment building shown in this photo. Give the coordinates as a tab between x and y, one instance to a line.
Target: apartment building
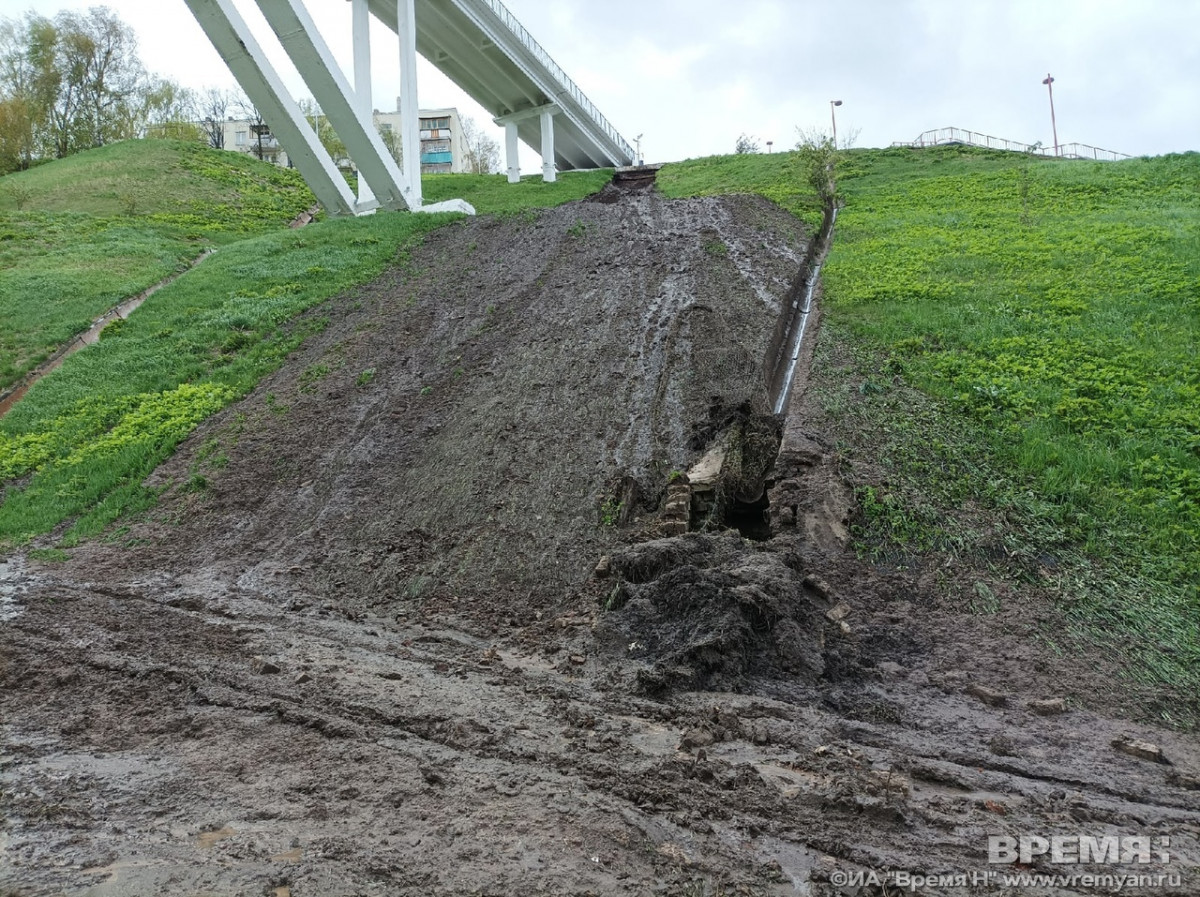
442	149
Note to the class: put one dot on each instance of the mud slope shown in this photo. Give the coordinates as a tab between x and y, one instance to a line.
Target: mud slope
463	424
417	618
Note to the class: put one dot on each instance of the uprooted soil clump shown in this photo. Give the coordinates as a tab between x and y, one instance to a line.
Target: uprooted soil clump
508	582
709	612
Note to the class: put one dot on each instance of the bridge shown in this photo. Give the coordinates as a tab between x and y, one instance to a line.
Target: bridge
478	44
946	136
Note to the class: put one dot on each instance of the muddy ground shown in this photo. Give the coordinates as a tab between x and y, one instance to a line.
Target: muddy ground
419	617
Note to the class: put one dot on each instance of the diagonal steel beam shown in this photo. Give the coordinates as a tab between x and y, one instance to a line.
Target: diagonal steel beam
300	38
232	39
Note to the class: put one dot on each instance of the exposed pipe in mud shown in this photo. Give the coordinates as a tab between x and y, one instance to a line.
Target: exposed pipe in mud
785	348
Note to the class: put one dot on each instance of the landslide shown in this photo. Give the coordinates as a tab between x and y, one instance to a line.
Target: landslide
470	431
418	617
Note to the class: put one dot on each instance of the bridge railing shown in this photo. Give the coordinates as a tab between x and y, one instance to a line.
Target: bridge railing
942	136
527	40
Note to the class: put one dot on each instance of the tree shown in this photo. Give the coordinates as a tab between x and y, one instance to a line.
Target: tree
392	141
73	82
16	136
746	145
168	110
481	154
328	137
18	100
93	59
212	111
818	160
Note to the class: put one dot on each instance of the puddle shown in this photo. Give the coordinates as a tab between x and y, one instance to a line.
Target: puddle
89	337
206	840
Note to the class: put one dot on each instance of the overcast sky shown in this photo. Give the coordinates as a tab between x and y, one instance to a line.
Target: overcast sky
691	75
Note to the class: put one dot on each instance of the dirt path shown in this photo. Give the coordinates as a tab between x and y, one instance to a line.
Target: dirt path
362	649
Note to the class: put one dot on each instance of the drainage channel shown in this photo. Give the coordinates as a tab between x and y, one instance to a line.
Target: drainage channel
784	356
697	496
89	337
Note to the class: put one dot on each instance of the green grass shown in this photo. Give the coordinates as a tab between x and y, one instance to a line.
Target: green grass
87	435
227	192
96	228
1059	304
1047	314
1056	305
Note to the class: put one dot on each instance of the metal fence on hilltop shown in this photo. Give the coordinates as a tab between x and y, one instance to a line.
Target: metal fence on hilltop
950	136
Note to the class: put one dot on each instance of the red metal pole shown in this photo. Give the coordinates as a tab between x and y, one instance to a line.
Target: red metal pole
1049	82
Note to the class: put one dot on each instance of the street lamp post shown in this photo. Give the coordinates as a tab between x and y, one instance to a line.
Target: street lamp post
1049	82
833	117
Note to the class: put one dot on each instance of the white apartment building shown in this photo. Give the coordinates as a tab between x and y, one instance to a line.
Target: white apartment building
442	148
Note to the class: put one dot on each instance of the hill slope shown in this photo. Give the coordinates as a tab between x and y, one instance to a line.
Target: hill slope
79	235
397	628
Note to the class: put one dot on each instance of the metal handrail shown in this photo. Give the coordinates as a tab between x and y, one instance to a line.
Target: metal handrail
941	136
527	40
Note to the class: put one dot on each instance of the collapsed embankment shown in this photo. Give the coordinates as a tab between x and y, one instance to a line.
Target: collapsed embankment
483	422
421	616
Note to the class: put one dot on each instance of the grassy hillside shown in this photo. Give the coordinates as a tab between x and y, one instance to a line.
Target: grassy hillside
1021	341
79	235
87	435
492	194
1013	348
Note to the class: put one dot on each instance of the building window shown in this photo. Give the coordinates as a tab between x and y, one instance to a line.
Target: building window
240	138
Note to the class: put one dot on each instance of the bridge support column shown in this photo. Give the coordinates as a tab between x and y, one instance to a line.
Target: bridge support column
362	84
548	169
512	152
410	113
545	115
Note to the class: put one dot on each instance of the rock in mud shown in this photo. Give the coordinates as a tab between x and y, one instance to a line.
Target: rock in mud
1143	750
989	696
1048	706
